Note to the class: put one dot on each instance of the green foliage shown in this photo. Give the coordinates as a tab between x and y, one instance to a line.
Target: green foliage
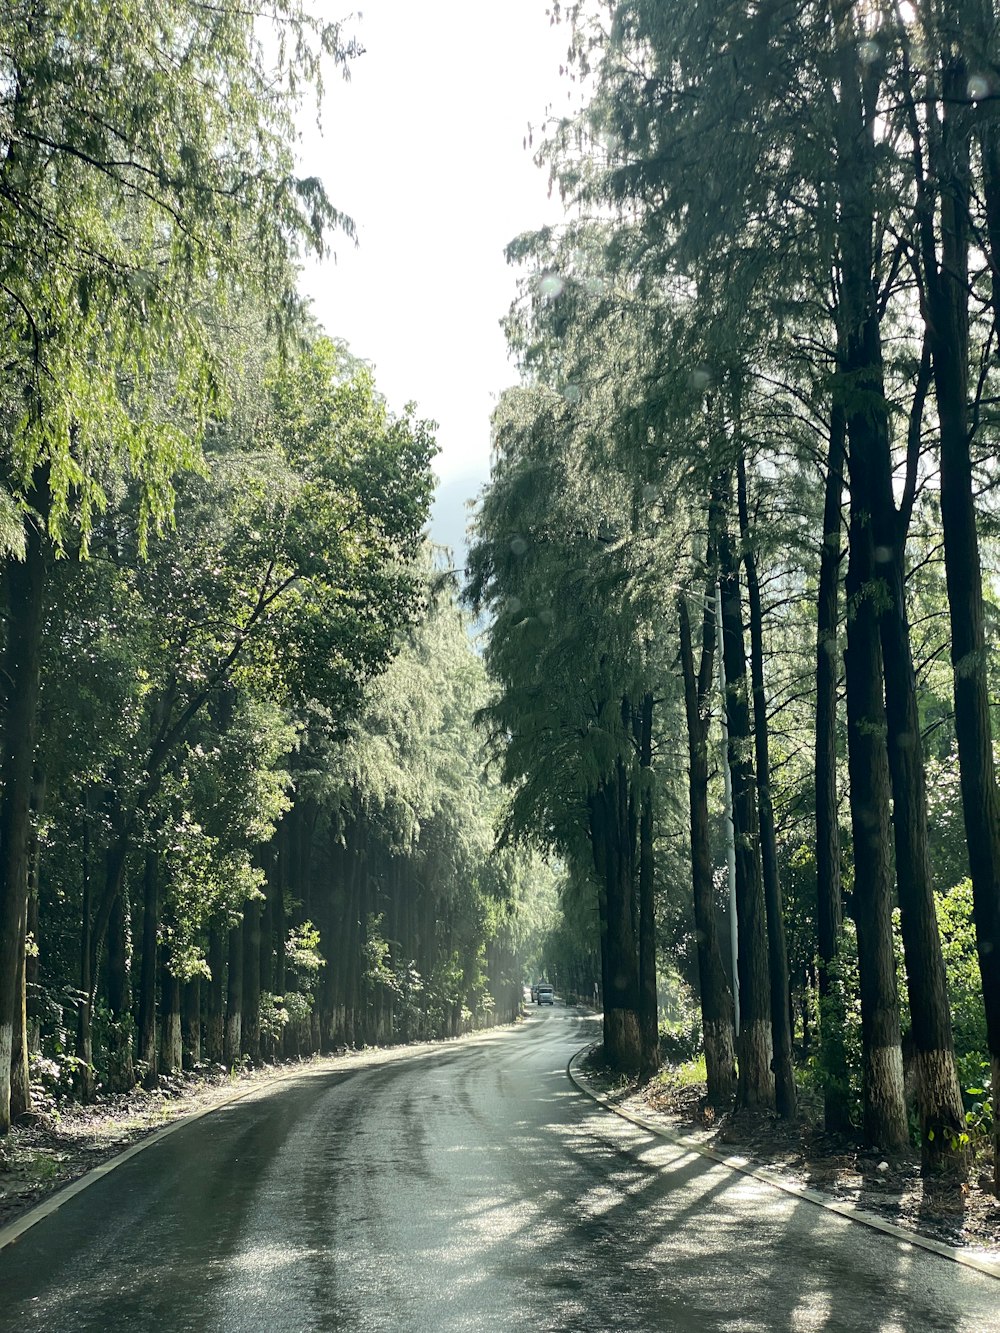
147	177
376	958
274	1017
302	952
958	944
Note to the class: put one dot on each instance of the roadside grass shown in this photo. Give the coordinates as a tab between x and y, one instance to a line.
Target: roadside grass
687	1074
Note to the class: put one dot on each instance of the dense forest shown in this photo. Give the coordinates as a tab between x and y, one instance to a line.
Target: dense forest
753	459
242	808
726	762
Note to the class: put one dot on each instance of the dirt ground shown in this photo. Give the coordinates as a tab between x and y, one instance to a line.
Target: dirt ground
960	1213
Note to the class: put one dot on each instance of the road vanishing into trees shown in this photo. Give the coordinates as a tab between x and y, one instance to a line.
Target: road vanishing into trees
469	1186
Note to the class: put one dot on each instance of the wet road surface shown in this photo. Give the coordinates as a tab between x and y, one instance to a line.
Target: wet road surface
468	1187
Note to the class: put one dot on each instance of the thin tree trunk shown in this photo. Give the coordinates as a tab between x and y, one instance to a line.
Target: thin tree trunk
22	668
829	895
234	997
121	1072
715	995
884	1107
191	1022
32	1010
756	1081
148	968
649	1012
948	326
215	1027
171	1040
777	951
20	1077
250	1026
84	1076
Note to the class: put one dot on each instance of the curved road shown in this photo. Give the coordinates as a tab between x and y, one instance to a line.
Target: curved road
465	1187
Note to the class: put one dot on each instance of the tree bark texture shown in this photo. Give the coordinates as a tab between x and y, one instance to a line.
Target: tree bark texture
884	1107
234	997
948	325
715	996
649	1011
22	667
829	890
250	1022
612	824
215	1027
148	967
121	1072
777	950
191	1022
756	1080
860	390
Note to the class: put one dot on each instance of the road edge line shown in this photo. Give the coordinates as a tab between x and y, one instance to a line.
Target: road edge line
14	1230
850	1211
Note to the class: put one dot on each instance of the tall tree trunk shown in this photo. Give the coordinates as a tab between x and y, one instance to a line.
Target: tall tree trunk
715	995
84	1077
234	997
250	1026
121	1072
28	1040
649	1010
20	1077
948	326
777	951
756	1081
171	1040
884	1107
22	669
191	1022
148	968
829	895
859	389
215	1026
614	859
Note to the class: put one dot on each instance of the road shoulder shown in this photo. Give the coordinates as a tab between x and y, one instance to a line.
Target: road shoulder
629	1107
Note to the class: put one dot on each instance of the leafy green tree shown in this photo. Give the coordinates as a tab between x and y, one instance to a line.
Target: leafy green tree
145	176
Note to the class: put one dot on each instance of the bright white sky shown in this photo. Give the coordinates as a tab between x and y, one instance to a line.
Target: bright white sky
423	147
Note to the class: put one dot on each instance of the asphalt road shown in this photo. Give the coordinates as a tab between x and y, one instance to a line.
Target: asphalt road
470	1187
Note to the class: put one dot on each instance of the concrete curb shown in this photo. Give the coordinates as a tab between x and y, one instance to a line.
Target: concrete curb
968	1258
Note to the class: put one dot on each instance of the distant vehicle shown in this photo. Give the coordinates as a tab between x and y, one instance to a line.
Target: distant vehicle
534	991
545	994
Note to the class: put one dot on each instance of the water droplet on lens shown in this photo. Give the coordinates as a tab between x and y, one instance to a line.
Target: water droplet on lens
518	545
550	285
978	87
